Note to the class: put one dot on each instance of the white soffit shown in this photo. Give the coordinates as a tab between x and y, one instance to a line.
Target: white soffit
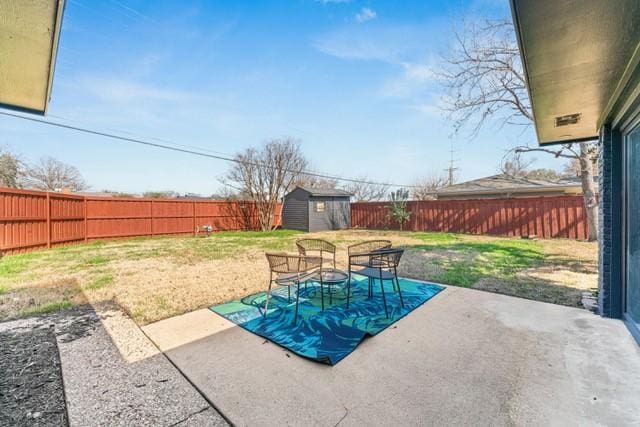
29	34
575	53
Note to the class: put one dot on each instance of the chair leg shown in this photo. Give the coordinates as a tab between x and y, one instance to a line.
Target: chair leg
289	294
295	319
322	293
395	274
384	298
330	294
348	287
266	305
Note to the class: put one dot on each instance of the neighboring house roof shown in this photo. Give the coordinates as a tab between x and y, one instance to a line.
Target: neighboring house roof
505	184
324	192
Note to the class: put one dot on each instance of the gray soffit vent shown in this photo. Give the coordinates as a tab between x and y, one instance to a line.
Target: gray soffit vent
570	119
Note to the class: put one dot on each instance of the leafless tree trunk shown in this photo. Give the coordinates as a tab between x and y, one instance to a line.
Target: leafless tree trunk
266	175
484	79
588	190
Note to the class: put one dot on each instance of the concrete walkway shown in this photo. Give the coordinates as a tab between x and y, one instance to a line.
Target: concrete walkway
114	376
464	358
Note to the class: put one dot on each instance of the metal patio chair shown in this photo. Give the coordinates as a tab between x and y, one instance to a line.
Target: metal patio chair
364	248
359	254
381	264
290	270
318	246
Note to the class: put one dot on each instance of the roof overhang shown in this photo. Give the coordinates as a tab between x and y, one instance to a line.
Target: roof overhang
515	190
29	34
578	56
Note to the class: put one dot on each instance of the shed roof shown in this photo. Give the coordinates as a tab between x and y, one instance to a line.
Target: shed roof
324	192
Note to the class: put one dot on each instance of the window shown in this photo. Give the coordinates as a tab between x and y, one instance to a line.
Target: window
320	206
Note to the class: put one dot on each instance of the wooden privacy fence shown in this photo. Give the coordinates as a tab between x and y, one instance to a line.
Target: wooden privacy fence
35	219
561	216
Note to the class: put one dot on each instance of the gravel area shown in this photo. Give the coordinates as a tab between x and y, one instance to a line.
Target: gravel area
31	388
113	375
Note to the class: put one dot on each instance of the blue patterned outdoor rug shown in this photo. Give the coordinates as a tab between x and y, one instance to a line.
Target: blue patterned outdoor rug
327	335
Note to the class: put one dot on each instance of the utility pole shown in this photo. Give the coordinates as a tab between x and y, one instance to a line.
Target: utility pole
452	161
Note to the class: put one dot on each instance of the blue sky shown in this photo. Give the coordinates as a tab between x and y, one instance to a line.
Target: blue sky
353	80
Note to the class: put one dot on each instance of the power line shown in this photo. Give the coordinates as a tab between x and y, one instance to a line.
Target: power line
193	151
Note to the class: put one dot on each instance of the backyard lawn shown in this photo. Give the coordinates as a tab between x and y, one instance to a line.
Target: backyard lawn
156	278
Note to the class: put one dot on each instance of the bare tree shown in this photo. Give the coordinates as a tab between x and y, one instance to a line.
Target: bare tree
573	169
166	194
515	166
315	182
484	80
11	169
544	174
367	191
265	175
426	187
50	174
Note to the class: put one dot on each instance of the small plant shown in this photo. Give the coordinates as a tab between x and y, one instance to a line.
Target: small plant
398	207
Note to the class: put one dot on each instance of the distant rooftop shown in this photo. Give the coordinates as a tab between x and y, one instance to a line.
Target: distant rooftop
503	183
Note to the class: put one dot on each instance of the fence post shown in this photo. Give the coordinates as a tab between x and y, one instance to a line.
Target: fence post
86	222
194	218
48	220
151	213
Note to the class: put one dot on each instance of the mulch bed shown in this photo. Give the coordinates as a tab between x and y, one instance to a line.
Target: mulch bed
31	389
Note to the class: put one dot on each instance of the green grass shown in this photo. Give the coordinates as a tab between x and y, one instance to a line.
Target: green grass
51	307
97	254
473	260
12	266
3	289
100	282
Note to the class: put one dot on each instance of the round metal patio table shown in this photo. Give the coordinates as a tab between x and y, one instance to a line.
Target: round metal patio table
329	276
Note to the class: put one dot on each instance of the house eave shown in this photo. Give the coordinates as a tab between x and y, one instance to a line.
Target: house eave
29	38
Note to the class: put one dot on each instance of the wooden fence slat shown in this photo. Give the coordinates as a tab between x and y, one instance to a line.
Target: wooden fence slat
30	220
557	216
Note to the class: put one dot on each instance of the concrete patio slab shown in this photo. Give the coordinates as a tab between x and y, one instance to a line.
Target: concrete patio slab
465	357
114	376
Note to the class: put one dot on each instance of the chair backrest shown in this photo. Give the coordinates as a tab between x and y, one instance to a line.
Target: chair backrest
315	245
368	246
290	263
386	258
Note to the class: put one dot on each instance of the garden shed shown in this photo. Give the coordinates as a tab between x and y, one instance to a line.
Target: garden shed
316	209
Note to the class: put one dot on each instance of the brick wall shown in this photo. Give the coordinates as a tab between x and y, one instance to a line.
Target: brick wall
610	222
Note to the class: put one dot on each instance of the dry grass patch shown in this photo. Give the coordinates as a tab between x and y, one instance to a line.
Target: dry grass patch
157	278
